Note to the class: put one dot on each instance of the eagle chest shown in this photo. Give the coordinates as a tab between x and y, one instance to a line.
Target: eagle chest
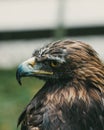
54	111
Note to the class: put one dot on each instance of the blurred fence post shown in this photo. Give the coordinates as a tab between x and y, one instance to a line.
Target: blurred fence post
60	30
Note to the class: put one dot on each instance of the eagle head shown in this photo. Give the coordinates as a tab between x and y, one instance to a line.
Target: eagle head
63	61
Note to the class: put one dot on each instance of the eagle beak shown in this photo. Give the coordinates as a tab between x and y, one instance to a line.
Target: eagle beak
30	68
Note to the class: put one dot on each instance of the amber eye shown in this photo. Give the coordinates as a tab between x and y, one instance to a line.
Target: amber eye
55	63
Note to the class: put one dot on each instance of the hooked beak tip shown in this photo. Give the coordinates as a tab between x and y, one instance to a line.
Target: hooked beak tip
18	77
19	81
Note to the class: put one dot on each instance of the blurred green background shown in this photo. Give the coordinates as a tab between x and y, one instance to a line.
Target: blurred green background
13	98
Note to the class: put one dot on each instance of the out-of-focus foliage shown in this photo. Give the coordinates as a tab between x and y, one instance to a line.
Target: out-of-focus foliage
13	98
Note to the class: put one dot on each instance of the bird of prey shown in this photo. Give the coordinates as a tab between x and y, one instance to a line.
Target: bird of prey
72	97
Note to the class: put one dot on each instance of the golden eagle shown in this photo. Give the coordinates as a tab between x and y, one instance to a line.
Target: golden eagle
73	95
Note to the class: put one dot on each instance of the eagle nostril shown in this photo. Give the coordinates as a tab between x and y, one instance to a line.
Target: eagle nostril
31	65
31	62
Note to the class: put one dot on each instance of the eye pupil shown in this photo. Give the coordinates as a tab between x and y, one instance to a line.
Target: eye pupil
54	64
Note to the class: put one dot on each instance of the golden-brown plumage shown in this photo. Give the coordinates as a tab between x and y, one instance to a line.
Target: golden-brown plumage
73	95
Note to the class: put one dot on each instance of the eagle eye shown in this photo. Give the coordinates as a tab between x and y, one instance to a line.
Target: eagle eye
54	63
